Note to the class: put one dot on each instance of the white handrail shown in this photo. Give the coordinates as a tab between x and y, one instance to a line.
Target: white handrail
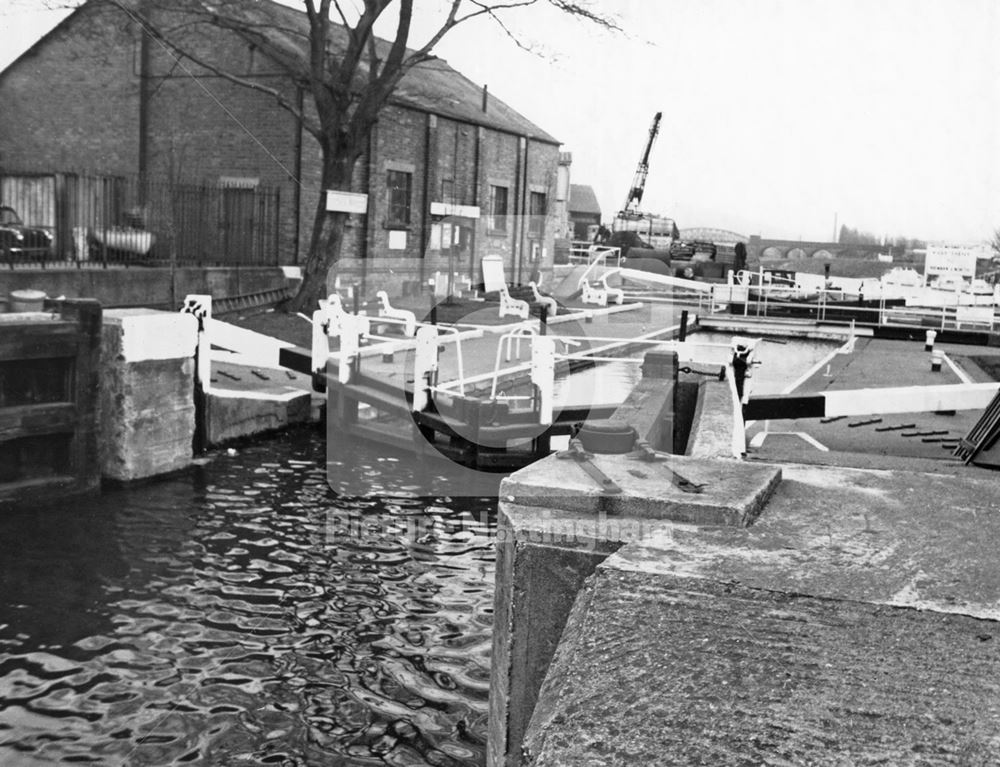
440	328
600	254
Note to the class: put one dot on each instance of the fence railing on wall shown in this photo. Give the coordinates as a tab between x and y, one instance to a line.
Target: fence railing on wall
91	219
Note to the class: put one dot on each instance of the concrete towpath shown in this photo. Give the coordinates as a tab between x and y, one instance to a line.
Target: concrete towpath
877	363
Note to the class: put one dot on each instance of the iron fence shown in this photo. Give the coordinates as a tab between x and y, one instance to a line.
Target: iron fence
93	219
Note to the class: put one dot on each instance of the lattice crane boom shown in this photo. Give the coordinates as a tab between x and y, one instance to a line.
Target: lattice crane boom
634	198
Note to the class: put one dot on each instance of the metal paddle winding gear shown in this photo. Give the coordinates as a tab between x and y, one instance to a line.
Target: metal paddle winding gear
577	452
644	452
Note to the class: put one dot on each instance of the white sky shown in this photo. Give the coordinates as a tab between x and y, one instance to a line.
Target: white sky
778	114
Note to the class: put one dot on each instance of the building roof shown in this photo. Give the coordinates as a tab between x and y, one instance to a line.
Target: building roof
583	200
432	86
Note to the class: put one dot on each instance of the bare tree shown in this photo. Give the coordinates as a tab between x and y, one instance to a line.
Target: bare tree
331	52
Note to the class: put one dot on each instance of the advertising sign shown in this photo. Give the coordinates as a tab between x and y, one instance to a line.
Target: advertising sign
952	262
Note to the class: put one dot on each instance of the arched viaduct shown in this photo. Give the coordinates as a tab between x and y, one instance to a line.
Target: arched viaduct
768	249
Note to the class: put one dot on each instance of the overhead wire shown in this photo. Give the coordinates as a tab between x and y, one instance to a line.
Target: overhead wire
180	63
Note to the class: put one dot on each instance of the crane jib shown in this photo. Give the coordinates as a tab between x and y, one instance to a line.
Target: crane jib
639	181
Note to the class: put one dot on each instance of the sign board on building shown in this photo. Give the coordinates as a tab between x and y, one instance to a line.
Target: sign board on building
397	239
949	261
451	209
346	202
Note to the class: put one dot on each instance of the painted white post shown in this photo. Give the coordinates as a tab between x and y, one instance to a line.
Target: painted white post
352	328
543	371
929	340
201	307
320	340
334	311
425	363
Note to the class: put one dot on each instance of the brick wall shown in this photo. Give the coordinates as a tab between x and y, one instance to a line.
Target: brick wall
191	136
69	106
73	101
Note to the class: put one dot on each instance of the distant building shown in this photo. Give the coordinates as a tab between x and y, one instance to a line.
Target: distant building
584	210
563	225
452	173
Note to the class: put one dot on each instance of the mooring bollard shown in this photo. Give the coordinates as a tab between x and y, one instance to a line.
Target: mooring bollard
936	361
929	342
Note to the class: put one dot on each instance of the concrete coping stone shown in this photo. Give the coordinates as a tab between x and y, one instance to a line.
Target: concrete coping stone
733	492
905	539
152	334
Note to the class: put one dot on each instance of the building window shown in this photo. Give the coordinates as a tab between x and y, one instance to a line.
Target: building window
498	209
399	185
536	212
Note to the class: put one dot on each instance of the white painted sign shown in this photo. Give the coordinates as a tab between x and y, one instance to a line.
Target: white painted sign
346	202
942	261
451	209
397	239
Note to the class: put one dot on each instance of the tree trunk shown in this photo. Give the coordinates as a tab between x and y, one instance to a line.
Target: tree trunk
327	238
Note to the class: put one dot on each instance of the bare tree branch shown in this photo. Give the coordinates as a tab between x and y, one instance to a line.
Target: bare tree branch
349	73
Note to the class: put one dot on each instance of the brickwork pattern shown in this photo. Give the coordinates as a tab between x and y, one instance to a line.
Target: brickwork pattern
71	103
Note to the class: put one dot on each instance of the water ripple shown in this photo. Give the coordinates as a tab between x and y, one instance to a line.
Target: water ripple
244	614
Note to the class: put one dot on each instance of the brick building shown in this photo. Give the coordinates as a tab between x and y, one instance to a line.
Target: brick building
584	211
451	173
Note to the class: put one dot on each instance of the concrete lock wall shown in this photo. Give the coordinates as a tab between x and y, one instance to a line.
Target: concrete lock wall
544	555
787	614
231	415
147	414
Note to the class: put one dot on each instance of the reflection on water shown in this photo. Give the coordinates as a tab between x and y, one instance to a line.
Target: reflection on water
782	360
243	614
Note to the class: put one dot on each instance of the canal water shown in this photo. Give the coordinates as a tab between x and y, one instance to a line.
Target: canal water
243	614
782	360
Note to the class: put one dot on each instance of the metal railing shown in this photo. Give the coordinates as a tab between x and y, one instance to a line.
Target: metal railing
582	252
834	306
598	255
87	219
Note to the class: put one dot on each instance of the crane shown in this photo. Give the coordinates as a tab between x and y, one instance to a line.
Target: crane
634	198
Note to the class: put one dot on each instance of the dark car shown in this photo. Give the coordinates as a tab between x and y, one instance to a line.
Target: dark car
21	242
